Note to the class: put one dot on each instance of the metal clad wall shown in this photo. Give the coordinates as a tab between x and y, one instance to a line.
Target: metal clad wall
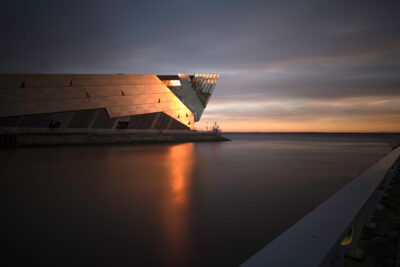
176	126
120	94
103	121
82	119
189	97
64	118
9	121
143	121
37	121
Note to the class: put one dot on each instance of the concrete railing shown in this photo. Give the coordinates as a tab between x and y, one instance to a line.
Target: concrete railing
326	234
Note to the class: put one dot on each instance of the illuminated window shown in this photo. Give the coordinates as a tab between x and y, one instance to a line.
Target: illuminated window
172	83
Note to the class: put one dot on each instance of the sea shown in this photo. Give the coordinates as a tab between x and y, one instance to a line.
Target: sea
180	204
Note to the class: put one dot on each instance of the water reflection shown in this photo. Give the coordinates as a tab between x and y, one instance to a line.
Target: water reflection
176	208
203	204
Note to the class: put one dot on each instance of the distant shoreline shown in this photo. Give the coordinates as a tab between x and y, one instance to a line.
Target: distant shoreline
225	132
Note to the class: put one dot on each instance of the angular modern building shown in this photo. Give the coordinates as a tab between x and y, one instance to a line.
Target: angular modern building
104	101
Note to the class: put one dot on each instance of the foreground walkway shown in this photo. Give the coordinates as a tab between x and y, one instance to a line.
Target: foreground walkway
380	239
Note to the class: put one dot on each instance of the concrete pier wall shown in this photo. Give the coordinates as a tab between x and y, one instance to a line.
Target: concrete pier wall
12	138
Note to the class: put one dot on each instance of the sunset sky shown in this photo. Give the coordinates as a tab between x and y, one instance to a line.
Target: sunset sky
285	65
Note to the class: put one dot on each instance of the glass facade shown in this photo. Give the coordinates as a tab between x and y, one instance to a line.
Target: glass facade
193	90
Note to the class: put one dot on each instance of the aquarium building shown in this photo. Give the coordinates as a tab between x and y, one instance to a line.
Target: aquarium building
104	101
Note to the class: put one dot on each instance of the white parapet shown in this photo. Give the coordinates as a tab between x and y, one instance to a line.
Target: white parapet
332	229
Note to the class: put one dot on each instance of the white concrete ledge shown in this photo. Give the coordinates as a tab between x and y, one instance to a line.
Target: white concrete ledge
316	239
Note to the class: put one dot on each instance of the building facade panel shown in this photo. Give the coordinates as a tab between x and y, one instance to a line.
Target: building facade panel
103	121
9	121
96	101
35	121
63	118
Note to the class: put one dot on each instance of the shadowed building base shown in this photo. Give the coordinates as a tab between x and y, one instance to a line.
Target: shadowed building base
24	137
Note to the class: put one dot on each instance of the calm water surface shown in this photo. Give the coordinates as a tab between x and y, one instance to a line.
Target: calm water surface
191	204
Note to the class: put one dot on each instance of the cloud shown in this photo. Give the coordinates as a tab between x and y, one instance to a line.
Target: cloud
370	115
292	53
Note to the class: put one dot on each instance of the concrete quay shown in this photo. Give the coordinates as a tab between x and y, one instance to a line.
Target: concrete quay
24	137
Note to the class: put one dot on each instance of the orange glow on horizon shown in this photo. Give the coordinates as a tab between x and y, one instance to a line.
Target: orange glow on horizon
302	126
373	114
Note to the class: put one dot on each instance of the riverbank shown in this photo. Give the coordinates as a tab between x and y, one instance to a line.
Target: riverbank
25	137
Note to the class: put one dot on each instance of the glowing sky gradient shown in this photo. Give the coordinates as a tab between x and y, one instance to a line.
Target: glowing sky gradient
284	65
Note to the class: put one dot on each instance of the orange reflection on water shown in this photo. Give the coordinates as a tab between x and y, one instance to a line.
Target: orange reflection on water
180	159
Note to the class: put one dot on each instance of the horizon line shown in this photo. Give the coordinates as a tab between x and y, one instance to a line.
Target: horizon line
312	132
